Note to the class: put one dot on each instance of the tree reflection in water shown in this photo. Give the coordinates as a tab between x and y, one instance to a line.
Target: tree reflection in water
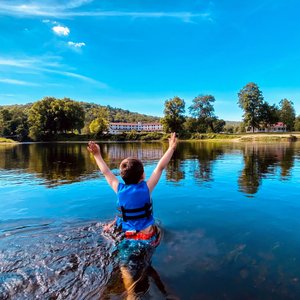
260	160
64	163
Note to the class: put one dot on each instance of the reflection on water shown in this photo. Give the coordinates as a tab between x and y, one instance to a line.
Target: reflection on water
60	163
261	160
230	215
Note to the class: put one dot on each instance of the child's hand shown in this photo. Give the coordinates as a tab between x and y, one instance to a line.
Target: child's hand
173	141
93	148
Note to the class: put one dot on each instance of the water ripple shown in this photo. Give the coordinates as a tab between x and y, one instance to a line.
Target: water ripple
51	260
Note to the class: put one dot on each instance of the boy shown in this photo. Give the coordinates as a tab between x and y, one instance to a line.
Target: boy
136	218
134	197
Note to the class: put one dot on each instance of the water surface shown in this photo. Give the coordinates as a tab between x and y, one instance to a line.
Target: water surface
229	214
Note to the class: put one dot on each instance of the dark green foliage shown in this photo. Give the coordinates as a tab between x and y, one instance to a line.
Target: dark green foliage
174	115
269	114
287	113
202	107
251	101
51	116
14	122
116	114
202	110
218	125
297	123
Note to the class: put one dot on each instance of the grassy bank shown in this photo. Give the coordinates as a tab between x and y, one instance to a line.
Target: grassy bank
6	141
270	137
155	136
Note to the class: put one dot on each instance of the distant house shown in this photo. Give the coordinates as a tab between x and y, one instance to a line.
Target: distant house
278	127
115	128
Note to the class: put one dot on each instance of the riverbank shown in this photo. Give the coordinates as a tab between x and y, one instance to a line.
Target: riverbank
6	141
155	137
270	137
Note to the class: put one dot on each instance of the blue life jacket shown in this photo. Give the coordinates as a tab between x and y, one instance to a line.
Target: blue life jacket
135	204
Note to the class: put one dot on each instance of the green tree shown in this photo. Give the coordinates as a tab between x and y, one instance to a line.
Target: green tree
13	122
269	114
202	108
42	118
287	113
219	125
5	118
50	116
174	118
99	121
190	125
72	117
251	100
297	123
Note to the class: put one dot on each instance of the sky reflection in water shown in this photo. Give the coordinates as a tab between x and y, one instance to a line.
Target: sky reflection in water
229	212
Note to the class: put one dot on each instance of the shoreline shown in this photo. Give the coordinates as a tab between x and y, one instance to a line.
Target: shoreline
205	137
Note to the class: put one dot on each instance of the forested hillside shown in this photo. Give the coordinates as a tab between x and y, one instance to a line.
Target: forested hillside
51	116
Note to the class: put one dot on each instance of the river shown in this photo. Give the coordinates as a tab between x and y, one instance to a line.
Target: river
229	214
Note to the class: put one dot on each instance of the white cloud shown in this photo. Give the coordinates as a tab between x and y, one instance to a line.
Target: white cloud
32	62
49	21
76	45
66	10
17	82
61	30
47	64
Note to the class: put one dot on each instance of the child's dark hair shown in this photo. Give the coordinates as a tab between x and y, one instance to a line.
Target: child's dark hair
132	170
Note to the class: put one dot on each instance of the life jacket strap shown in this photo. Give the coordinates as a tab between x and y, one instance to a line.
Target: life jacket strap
145	211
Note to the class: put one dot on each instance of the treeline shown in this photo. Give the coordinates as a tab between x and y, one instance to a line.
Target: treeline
258	113
202	119
50	117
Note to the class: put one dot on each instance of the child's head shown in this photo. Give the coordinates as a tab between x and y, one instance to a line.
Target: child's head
132	170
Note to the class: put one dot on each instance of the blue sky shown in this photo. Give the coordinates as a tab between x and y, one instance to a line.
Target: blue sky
136	54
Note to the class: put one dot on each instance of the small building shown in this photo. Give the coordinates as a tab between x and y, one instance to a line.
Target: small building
277	127
119	127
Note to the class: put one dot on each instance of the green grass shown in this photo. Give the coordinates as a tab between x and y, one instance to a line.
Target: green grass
5	140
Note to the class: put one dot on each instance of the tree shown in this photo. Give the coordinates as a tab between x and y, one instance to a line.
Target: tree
251	100
269	114
287	113
174	118
52	116
72	117
297	123
203	109
190	125
99	123
42	118
5	118
98	126
13	122
219	125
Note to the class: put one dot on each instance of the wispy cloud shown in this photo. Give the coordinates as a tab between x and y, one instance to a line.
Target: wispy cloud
17	82
61	30
76	45
45	65
32	62
48	9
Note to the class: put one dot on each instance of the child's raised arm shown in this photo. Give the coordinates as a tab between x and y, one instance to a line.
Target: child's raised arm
109	176
155	176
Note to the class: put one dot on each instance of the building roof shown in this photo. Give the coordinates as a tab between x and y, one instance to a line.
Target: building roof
133	124
279	124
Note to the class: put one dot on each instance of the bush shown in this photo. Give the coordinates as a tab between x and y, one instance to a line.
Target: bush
152	136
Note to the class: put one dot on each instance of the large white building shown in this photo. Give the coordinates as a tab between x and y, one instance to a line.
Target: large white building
115	128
